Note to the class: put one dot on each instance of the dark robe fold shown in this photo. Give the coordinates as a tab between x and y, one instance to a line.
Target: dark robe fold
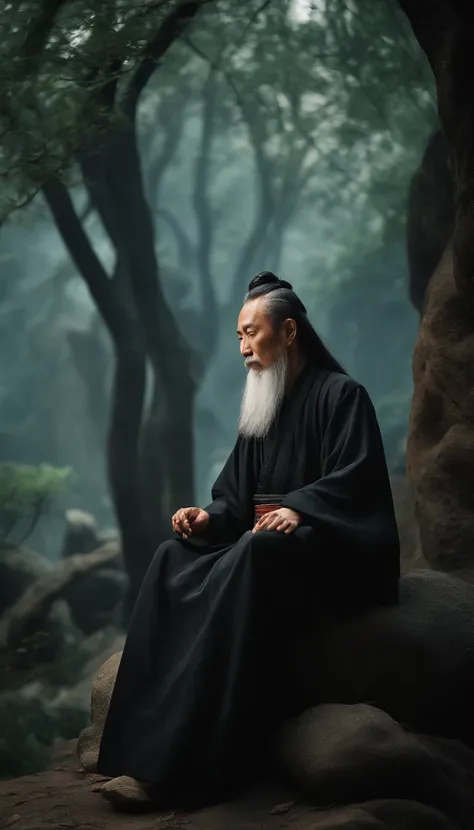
195	696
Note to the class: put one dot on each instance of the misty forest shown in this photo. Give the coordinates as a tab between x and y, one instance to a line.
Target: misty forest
155	155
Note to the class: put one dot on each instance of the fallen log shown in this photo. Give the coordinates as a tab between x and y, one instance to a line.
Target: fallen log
37	600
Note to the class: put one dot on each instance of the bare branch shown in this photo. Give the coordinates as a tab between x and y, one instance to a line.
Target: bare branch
36	601
183	242
204	213
39	33
112	310
254	17
171	122
169	31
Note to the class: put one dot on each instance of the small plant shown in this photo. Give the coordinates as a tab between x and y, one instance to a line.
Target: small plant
26	494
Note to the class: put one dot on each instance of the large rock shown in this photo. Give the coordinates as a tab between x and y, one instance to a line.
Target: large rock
430	216
89	740
410	548
95	599
415	661
82	534
344	754
440	450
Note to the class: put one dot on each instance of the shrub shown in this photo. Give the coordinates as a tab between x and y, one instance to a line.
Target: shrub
27	493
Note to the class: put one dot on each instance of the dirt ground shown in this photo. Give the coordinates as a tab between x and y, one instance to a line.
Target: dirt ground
65	797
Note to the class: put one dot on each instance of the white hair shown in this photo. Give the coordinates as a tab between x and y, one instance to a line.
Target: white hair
263	395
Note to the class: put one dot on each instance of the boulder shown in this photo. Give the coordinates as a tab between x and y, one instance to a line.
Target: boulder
102	687
96	597
410	549
344	754
82	533
440	449
430	216
415	661
377	745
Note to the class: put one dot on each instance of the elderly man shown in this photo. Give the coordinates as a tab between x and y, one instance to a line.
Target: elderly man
301	520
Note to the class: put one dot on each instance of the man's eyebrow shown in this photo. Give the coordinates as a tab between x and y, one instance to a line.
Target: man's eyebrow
246	327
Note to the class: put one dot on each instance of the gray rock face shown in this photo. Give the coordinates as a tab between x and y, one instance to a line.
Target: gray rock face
370	687
415	661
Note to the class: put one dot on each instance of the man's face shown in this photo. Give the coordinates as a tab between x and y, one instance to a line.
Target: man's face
260	345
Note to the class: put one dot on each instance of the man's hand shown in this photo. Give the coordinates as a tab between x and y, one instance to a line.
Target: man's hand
189	520
284	520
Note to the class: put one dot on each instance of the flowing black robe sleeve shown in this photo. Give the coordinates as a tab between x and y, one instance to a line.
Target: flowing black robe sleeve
227	511
351	503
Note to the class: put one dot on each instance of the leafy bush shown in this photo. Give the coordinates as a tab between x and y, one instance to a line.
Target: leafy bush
27	493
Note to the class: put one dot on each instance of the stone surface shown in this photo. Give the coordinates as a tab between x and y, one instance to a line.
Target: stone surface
82	533
440	449
95	599
430	216
342	754
410	549
415	661
65	798
124	791
102	687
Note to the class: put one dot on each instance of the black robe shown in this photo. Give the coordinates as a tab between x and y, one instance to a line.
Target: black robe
196	695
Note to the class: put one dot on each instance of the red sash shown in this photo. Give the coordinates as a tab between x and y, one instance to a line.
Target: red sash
265	504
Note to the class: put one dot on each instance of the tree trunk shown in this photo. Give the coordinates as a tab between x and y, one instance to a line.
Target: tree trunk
128	386
440	451
170	417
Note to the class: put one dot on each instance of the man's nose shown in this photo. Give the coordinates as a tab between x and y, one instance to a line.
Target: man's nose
245	349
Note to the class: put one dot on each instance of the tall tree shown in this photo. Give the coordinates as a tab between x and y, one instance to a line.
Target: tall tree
132	305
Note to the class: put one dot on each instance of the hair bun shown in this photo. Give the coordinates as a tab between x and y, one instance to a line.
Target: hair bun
268	278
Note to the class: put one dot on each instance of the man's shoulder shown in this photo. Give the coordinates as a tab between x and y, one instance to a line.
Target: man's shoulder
337	385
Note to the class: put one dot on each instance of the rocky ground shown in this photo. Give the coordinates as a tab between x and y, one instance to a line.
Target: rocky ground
414	662
66	797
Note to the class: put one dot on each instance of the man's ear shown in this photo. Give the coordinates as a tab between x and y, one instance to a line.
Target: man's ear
290	330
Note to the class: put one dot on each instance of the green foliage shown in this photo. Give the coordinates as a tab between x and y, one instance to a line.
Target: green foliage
320	120
56	70
330	94
27	493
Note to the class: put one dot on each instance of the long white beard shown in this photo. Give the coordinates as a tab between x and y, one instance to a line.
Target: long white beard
262	398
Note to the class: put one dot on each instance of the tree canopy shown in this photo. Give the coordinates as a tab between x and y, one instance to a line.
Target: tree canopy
180	147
